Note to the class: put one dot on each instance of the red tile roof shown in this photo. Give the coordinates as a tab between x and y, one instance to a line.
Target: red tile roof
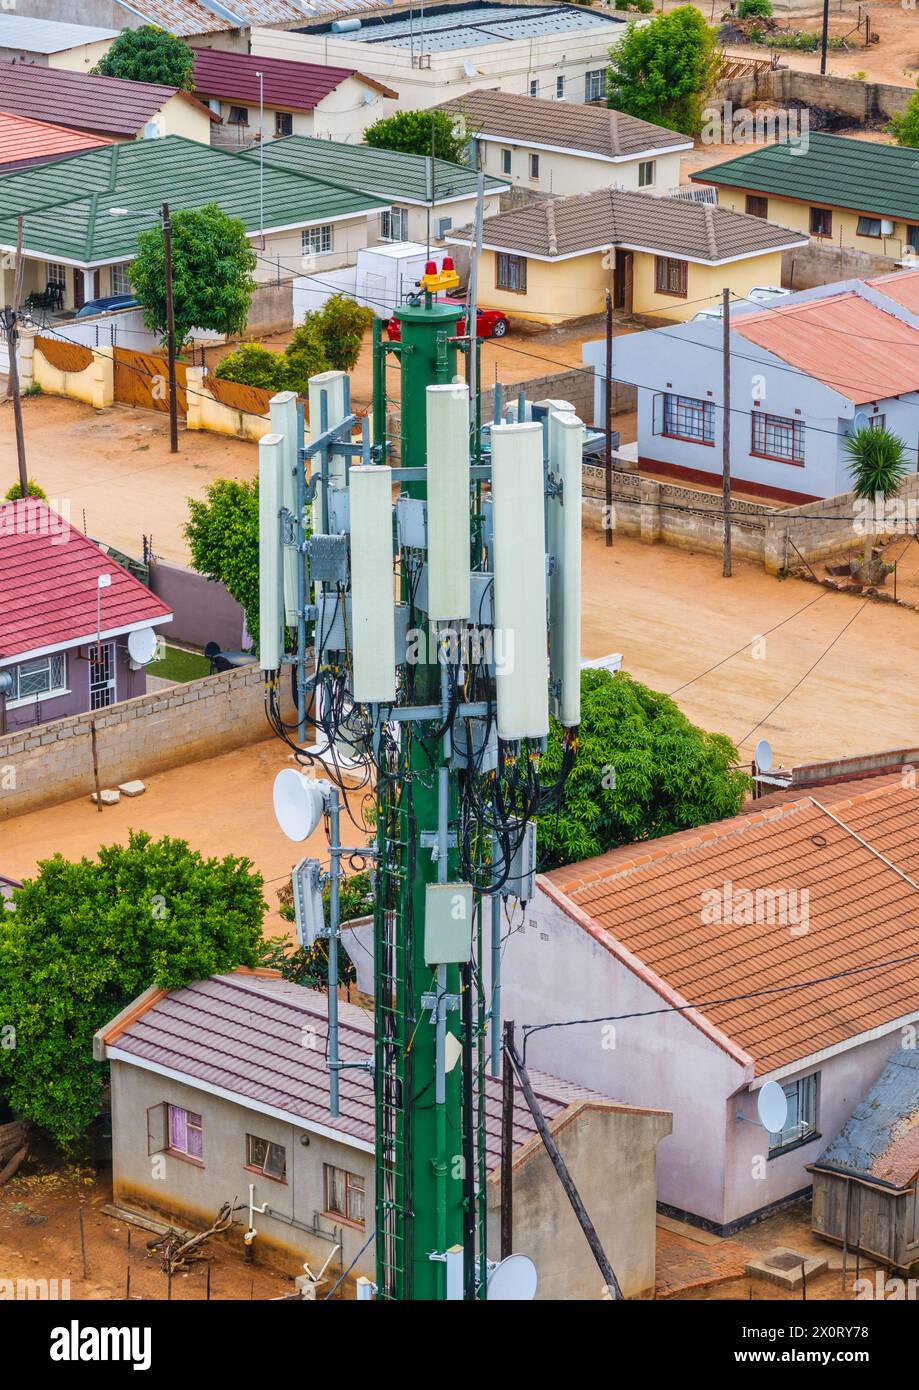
48	574
843	341
855	860
104	105
289	85
902	286
25	142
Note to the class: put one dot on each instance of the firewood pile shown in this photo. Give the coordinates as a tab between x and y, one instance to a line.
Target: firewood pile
178	1250
14	1148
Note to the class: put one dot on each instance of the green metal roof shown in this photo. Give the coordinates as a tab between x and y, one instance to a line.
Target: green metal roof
67	205
830	169
393	176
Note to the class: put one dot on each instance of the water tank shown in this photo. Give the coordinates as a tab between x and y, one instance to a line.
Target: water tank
345	26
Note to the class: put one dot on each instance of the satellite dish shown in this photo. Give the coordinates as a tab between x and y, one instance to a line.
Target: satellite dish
514	1280
153	130
859	422
772	1107
298	803
469	68
762	755
142	646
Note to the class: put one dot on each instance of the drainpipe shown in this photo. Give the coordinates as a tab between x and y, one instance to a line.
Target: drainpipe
249	1237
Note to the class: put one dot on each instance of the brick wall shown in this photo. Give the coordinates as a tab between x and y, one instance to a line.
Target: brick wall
163	729
862	101
807	266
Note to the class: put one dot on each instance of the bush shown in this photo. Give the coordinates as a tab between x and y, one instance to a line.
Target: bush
15	492
754	9
253	365
342	325
904	126
878	462
305	355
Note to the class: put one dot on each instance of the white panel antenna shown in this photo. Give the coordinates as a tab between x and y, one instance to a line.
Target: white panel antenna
308	909
448	502
335	386
282	411
566	448
373	634
270	595
520	581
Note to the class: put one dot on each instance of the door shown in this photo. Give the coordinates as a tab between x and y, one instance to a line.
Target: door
102	675
622	282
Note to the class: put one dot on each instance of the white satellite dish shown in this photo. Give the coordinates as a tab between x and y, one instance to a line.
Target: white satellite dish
153	130
772	1107
469	68
514	1280
762	755
142	646
298	803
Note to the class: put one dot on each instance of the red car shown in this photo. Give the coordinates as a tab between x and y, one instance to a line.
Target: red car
491	323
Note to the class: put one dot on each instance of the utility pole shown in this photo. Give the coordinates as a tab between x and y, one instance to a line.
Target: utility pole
170	333
11	329
608	402
726	426
824	35
507	1145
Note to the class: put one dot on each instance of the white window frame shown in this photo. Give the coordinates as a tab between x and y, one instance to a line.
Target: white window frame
351	1180
122	273
803	1097
56	664
288	118
316	241
595	84
560	88
393	220
646	171
534	87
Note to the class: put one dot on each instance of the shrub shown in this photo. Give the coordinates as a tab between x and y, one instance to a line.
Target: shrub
878	462
754	9
305	355
253	365
342	325
15	492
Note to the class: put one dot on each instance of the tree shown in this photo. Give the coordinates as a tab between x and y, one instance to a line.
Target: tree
642	770
309	965
149	54
212	265
754	9
904	125
222	534
664	70
878	462
305	355
87	937
342	325
252	364
409	132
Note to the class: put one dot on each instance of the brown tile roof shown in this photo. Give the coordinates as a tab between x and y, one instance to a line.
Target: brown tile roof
645	903
24	142
903	287
563	125
103	105
558	227
850	345
244	1032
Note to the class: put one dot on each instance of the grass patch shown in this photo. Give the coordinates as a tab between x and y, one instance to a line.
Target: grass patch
179	665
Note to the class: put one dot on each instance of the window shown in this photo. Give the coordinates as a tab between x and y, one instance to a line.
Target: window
689	419
534	88
344	1195
505	161
511	273
268	1158
646	173
316	240
239	115
878	422
912	237
185	1134
443	227
560	87
534	166
775	437
821	222
801	1120
57	273
595	84
758	206
868	226
394	224
36	680
283	124
102	675
121	279
670	276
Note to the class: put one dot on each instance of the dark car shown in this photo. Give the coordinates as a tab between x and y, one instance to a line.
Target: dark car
106	304
491	323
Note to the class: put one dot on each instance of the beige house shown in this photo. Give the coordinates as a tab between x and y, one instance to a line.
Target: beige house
50	44
662	258
560	148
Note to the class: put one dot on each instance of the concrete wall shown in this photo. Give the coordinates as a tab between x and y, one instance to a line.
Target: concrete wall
574	386
563	174
271	308
202	609
864	102
135	738
820	264
95	384
80	58
205	412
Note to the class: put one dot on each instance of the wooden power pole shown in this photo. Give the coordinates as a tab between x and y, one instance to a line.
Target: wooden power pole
726	427
170	333
608	415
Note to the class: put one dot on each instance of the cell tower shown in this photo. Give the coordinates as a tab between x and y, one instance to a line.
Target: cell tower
429	582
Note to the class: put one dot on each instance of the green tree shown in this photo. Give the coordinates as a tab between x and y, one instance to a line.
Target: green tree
309	965
642	770
222	535
905	124
342	325
305	355
212	265
253	365
664	70
754	9
149	54
878	462
87	937
409	132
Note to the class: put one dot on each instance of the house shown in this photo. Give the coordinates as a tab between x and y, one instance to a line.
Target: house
63	633
216	23
555	258
221	1090
51	44
705	963
866	1182
822	362
562	148
83	214
7	887
25	143
842	192
426	198
558	51
258	99
106	106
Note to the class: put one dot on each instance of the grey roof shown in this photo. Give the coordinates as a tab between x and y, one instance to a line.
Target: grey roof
47	35
881	1141
449	27
564	125
558	227
263	1041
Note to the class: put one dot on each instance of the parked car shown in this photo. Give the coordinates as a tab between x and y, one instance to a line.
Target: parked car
106	304
760	294
491	322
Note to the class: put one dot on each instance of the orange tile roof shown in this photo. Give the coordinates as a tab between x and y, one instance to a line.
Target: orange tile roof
902	286
24	141
645	902
843	341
